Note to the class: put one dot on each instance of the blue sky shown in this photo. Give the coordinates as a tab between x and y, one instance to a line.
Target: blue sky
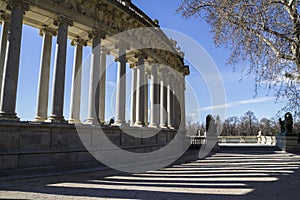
240	93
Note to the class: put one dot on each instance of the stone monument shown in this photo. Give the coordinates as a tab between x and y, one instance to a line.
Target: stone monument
211	134
288	123
287	140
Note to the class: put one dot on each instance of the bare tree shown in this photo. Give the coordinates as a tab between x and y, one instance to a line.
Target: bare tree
250	119
267	127
263	33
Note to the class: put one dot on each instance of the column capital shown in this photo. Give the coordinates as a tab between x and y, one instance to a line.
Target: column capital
122	44
4	16
49	31
122	55
141	54
62	19
162	69
78	42
133	65
154	71
97	33
105	50
18	4
147	71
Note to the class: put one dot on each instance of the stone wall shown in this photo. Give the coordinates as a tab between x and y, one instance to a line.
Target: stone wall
53	147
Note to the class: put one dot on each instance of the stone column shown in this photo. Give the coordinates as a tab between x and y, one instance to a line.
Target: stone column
133	94
94	90
183	121
158	86
12	60
58	87
102	86
170	101
146	97
121	87
154	98
76	81
140	92
43	88
5	20
176	103
163	99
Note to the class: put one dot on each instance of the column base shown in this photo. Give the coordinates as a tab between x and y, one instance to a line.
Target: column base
74	121
91	121
164	126
102	122
153	125
9	116
57	119
118	123
139	124
40	119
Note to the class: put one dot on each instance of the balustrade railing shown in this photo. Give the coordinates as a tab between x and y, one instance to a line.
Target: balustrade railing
197	141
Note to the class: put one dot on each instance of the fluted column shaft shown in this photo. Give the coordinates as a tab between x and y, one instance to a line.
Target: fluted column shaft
58	87
12	60
140	93
182	105
3	46
93	106
175	103
154	98
163	100
44	77
133	94
121	87
76	81
146	98
178	103
102	87
170	102
158	86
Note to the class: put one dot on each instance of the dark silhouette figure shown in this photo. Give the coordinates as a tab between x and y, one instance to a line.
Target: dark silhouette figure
210	124
288	118
111	121
282	126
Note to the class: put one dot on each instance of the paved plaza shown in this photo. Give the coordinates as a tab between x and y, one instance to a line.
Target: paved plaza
228	174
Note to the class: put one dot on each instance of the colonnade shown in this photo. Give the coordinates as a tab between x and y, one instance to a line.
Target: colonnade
167	86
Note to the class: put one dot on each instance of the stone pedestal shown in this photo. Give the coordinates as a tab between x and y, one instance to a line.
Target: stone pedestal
288	143
292	144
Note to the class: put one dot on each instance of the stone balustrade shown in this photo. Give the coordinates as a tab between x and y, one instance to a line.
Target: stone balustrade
197	141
